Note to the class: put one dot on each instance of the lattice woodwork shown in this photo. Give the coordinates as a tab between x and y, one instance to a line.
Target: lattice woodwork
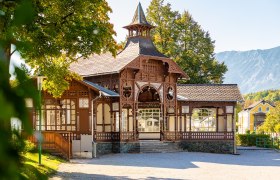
135	64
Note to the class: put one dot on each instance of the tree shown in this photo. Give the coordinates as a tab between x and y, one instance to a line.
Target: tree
51	35
12	103
164	35
272	120
181	38
56	33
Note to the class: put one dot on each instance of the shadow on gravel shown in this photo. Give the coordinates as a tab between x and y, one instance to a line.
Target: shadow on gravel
184	160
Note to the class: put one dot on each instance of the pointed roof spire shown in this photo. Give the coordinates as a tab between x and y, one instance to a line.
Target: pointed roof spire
139	18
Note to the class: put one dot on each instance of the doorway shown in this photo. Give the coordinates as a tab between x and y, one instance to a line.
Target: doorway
149	123
149	114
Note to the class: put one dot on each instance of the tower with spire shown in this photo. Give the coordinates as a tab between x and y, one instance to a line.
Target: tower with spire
139	25
139	34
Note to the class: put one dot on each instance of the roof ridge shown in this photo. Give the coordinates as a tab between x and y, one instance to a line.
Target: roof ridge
206	84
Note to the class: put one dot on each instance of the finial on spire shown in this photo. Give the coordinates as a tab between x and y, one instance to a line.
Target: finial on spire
139	25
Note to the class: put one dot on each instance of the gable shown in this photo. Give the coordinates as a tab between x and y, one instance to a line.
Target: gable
151	64
261	105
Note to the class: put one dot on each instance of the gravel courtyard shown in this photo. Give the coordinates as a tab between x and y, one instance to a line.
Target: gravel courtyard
250	164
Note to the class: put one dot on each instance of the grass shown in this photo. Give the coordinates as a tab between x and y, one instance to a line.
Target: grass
32	170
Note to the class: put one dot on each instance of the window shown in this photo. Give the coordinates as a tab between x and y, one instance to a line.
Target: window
124	119
103	118
203	119
83	103
229	109
185	109
260	109
229	123
115	106
149	120
267	109
29	102
127	90
58	115
170	93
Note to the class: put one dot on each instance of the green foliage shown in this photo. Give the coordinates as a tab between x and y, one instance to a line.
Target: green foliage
31	169
181	38
12	103
272	121
29	146
164	18
249	139
53	34
277	128
268	95
49	35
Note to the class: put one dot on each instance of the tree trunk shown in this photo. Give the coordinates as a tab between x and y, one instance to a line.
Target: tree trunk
6	57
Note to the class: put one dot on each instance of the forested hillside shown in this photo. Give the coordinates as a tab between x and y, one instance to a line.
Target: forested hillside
268	95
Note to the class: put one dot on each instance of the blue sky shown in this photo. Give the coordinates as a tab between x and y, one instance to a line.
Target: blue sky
233	24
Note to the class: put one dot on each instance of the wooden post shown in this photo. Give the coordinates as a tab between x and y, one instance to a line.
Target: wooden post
120	121
69	144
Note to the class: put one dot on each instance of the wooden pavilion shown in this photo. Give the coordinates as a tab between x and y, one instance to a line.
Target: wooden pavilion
133	97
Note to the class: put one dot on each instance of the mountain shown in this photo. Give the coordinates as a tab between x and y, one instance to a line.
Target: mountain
253	70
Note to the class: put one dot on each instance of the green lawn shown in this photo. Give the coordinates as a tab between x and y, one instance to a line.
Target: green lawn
32	170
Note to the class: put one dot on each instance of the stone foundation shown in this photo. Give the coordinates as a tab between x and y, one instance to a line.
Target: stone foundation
117	147
223	147
103	148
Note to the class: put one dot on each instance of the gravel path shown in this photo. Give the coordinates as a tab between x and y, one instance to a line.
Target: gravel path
256	164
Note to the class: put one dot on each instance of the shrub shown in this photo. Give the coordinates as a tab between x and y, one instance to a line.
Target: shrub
249	139
29	146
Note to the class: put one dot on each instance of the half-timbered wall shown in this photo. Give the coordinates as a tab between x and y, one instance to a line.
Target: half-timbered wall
71	112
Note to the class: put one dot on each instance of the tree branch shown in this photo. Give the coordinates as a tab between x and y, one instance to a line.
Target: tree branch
13	52
65	17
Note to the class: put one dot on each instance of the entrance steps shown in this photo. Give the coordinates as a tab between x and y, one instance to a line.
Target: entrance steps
156	146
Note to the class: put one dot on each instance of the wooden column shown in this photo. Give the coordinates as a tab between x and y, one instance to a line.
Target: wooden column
120	121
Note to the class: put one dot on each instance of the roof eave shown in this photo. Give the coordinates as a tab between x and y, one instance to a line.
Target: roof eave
209	100
99	74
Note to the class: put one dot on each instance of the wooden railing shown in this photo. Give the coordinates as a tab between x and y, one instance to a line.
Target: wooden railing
115	136
128	136
104	136
171	135
72	135
55	142
167	135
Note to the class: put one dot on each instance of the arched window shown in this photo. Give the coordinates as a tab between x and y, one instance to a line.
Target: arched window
103	118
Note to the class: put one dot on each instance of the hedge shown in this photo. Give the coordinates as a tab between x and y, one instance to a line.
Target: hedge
249	139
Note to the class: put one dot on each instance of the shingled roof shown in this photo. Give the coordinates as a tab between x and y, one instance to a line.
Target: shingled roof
258	102
107	64
208	92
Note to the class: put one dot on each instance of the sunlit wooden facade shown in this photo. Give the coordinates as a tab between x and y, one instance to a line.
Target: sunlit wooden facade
135	97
